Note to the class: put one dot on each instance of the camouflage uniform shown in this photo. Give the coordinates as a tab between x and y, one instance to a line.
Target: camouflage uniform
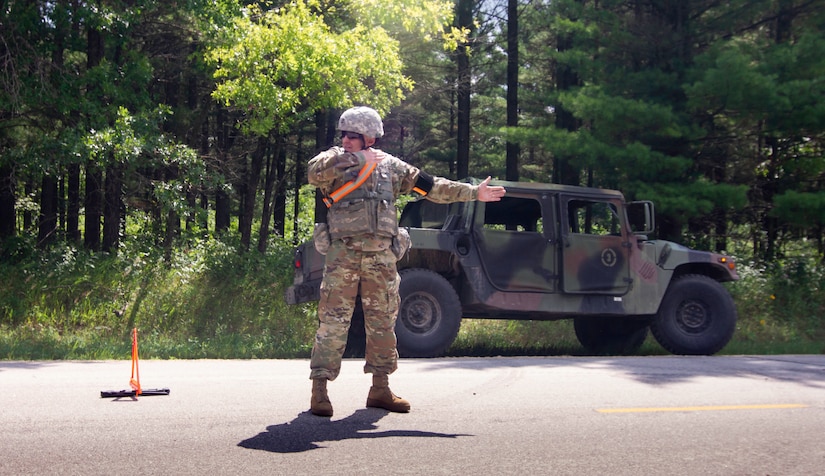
364	263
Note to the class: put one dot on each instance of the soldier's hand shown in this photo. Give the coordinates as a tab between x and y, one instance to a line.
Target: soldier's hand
487	193
373	156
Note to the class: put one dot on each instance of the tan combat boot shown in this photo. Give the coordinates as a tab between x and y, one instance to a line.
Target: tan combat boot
320	404
381	396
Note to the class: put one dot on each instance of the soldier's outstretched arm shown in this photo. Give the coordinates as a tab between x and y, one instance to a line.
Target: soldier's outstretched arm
446	191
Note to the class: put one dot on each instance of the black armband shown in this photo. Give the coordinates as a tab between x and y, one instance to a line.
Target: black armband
424	183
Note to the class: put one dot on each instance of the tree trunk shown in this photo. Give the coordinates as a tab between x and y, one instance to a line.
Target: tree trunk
300	178
172	233
464	16
564	172
250	192
269	185
8	200
770	187
28	220
223	214
73	204
112	206
512	172
94	177
453	113
721	231
47	221
279	208
266	208
668	229
93	203
191	214
206	102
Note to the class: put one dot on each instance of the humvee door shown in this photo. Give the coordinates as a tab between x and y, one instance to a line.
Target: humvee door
515	244
594	251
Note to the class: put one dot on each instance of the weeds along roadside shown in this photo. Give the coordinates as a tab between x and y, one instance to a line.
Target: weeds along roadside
209	301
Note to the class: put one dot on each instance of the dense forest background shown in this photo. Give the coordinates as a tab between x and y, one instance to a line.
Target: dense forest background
168	119
135	125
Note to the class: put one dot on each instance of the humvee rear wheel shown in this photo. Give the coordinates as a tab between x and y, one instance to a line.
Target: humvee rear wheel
429	316
697	316
610	335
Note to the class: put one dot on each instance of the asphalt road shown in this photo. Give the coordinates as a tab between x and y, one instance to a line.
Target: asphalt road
556	415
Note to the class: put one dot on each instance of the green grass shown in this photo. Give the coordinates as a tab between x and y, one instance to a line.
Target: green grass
209	301
92	344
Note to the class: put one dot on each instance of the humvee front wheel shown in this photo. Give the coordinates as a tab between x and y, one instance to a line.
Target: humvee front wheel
429	316
610	335
697	316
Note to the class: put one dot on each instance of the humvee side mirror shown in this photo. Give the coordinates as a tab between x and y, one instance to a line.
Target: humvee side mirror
640	217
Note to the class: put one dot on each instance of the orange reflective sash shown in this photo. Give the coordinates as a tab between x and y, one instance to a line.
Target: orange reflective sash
348	187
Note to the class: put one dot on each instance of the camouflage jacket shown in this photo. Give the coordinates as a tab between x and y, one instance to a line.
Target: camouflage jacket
334	167
331	169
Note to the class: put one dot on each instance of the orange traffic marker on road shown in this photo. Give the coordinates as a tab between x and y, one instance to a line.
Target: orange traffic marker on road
134	380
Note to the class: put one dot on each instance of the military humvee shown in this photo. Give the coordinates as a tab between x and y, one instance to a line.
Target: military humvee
548	252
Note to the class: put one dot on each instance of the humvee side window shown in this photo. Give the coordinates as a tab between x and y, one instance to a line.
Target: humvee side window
427	214
513	214
593	218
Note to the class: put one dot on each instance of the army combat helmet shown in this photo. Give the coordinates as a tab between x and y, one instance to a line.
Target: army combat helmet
362	120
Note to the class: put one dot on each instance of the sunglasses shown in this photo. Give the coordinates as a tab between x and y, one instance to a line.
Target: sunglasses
350	135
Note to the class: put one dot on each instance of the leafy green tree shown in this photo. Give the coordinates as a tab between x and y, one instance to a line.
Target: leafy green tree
280	68
712	109
282	65
69	68
446	125
620	117
760	96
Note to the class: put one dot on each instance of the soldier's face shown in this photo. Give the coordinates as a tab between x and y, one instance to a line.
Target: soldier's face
351	142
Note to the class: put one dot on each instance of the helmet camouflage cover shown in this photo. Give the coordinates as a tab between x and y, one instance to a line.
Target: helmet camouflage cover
363	120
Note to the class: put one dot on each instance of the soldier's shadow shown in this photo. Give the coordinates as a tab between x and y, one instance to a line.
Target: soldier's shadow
306	431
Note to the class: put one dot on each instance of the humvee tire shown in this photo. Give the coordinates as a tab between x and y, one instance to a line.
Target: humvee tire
429	316
610	335
697	316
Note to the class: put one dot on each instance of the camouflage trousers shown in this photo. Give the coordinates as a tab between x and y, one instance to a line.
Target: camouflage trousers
348	273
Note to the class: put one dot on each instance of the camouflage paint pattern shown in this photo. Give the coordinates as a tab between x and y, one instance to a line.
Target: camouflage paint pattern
363	120
348	273
364	263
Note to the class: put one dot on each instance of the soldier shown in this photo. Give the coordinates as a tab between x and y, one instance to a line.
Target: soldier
362	242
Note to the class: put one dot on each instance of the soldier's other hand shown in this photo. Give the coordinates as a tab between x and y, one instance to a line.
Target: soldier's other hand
487	193
373	156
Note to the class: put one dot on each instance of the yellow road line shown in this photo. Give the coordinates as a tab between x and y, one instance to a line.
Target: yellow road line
708	408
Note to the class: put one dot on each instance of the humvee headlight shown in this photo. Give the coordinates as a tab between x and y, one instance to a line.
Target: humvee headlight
729	263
